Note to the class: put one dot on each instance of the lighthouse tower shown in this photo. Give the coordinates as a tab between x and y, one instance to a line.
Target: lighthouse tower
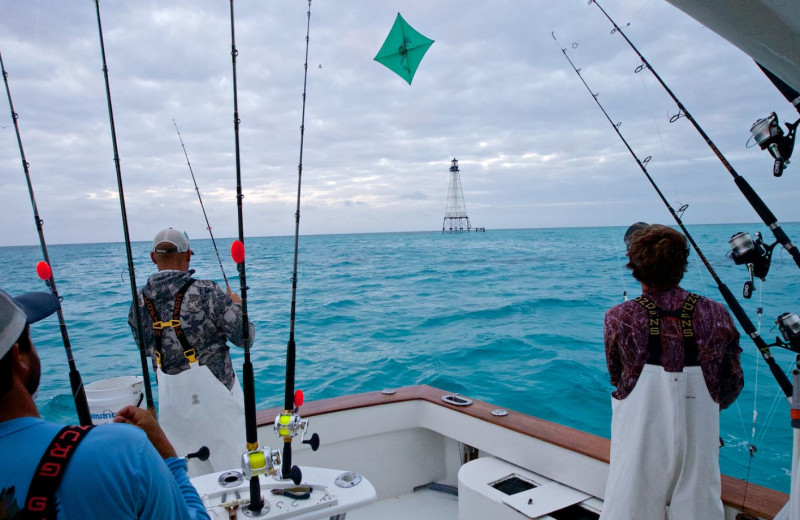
455	213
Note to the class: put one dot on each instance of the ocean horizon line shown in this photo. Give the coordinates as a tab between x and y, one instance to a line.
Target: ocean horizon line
543	228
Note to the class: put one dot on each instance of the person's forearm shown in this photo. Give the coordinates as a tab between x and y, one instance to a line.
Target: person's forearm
178	468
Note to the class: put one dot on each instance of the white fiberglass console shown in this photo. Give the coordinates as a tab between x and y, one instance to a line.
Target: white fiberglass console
322	493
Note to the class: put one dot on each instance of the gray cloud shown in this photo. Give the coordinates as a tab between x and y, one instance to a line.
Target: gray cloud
494	91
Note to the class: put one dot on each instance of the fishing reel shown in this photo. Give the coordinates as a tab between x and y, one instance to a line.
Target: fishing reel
261	462
789	326
289	425
768	134
754	254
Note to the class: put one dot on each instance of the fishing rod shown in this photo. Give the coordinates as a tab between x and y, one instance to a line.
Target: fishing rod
749	193
790	93
148	392
208	225
255	462
736	308
293	400
287	424
45	272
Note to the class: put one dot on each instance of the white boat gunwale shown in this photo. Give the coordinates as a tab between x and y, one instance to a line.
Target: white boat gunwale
753	499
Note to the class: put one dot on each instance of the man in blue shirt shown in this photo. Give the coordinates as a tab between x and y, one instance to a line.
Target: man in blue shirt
114	472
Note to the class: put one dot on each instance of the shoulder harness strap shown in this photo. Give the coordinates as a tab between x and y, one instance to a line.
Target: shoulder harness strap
684	314
175	323
40	502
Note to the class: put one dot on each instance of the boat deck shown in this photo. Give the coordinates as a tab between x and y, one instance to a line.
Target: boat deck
424	504
398	433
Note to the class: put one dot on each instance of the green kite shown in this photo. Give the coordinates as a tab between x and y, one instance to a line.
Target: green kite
403	49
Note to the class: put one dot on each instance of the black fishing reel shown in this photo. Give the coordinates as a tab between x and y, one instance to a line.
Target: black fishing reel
754	254
789	325
768	134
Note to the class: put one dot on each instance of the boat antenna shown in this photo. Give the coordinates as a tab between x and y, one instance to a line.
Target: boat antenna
749	193
208	225
736	308
148	392
293	400
45	272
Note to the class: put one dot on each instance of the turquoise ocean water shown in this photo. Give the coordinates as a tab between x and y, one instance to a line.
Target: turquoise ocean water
513	317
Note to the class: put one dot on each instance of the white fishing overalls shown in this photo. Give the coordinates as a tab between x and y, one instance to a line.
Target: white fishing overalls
195	408
665	438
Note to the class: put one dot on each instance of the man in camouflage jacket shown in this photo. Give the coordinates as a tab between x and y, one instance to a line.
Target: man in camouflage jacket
200	398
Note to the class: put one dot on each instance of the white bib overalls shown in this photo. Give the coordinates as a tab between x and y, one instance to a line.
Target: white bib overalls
665	450
195	409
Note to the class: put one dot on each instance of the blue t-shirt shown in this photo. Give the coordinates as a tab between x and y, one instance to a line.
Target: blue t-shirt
114	473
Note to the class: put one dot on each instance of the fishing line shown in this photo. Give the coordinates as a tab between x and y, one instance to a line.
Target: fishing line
700	273
208	225
148	392
749	193
46	272
736	308
763	433
751	445
620	264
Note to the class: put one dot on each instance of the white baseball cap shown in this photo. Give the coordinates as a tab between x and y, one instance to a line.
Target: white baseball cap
177	238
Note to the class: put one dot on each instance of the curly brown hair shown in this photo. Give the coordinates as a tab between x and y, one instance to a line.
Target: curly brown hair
657	256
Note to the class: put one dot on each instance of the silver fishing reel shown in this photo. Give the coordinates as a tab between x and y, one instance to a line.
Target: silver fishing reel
789	325
753	254
261	462
768	134
289	425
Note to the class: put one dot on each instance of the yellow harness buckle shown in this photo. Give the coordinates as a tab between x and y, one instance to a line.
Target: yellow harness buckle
190	355
159	325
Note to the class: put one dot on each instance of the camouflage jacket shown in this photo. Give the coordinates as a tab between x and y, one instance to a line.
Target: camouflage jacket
209	318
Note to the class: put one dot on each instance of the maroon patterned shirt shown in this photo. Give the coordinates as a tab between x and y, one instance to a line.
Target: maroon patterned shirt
626	338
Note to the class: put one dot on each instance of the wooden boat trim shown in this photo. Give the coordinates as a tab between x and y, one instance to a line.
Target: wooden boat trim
761	501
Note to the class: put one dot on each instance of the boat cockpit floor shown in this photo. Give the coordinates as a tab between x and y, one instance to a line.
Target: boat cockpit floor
423	504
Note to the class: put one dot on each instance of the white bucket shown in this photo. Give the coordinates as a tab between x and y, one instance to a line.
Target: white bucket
107	396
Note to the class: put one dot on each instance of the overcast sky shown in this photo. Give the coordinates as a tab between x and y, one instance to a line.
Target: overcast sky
494	91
